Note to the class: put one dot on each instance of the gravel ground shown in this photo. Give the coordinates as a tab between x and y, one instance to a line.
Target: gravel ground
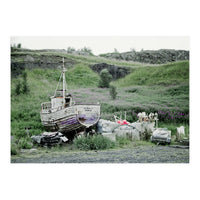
141	154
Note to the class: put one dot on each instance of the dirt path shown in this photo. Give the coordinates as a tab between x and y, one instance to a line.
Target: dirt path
141	154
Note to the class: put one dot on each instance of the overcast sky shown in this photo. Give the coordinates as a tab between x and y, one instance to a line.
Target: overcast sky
104	44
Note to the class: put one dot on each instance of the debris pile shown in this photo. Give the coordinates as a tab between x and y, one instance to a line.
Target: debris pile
49	138
122	128
161	135
144	129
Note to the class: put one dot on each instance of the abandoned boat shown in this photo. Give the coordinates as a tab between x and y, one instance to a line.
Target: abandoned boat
64	115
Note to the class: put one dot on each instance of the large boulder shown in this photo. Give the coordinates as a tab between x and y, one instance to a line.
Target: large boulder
133	131
106	126
180	134
128	132
145	129
161	135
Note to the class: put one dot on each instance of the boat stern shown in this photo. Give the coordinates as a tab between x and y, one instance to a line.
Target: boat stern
88	115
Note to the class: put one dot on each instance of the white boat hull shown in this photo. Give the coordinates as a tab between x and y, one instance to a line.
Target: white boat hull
70	118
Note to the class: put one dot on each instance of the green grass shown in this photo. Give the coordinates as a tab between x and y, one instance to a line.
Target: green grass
95	142
169	74
78	76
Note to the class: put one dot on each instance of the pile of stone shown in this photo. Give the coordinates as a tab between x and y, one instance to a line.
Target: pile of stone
133	131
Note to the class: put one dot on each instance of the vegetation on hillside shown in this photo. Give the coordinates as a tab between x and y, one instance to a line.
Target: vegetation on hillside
163	89
169	74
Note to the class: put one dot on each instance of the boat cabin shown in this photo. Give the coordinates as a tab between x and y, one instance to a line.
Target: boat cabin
58	101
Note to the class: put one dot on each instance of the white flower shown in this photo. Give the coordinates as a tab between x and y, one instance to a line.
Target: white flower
151	115
139	115
143	114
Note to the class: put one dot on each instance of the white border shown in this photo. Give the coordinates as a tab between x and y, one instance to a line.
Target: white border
87	17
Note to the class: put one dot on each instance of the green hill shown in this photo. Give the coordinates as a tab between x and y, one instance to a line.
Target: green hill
169	74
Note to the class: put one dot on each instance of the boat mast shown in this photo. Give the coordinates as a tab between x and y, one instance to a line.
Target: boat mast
63	83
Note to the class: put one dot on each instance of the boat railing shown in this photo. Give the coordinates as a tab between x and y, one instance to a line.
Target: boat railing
46	106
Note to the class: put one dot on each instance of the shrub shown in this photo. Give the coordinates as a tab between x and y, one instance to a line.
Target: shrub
18	87
113	92
22	87
105	78
24	144
94	142
19	45
71	50
86	50
14	149
25	88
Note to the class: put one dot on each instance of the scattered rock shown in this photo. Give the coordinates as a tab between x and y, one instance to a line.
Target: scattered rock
150	56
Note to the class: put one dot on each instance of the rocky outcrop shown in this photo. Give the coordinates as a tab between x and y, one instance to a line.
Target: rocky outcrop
28	60
150	56
115	71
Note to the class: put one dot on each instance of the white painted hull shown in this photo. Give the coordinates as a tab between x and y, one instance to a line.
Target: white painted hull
70	118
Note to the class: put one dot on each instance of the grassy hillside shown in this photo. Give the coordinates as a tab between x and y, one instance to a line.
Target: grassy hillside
20	56
163	89
169	74
78	76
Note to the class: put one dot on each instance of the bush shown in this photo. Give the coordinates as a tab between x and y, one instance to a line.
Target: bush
24	144
95	142
25	88
87	50
18	87
105	79
113	92
14	149
71	50
19	45
22	87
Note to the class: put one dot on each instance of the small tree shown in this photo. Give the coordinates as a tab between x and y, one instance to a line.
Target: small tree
113	92
25	88
71	50
105	78
18	87
86	50
19	45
